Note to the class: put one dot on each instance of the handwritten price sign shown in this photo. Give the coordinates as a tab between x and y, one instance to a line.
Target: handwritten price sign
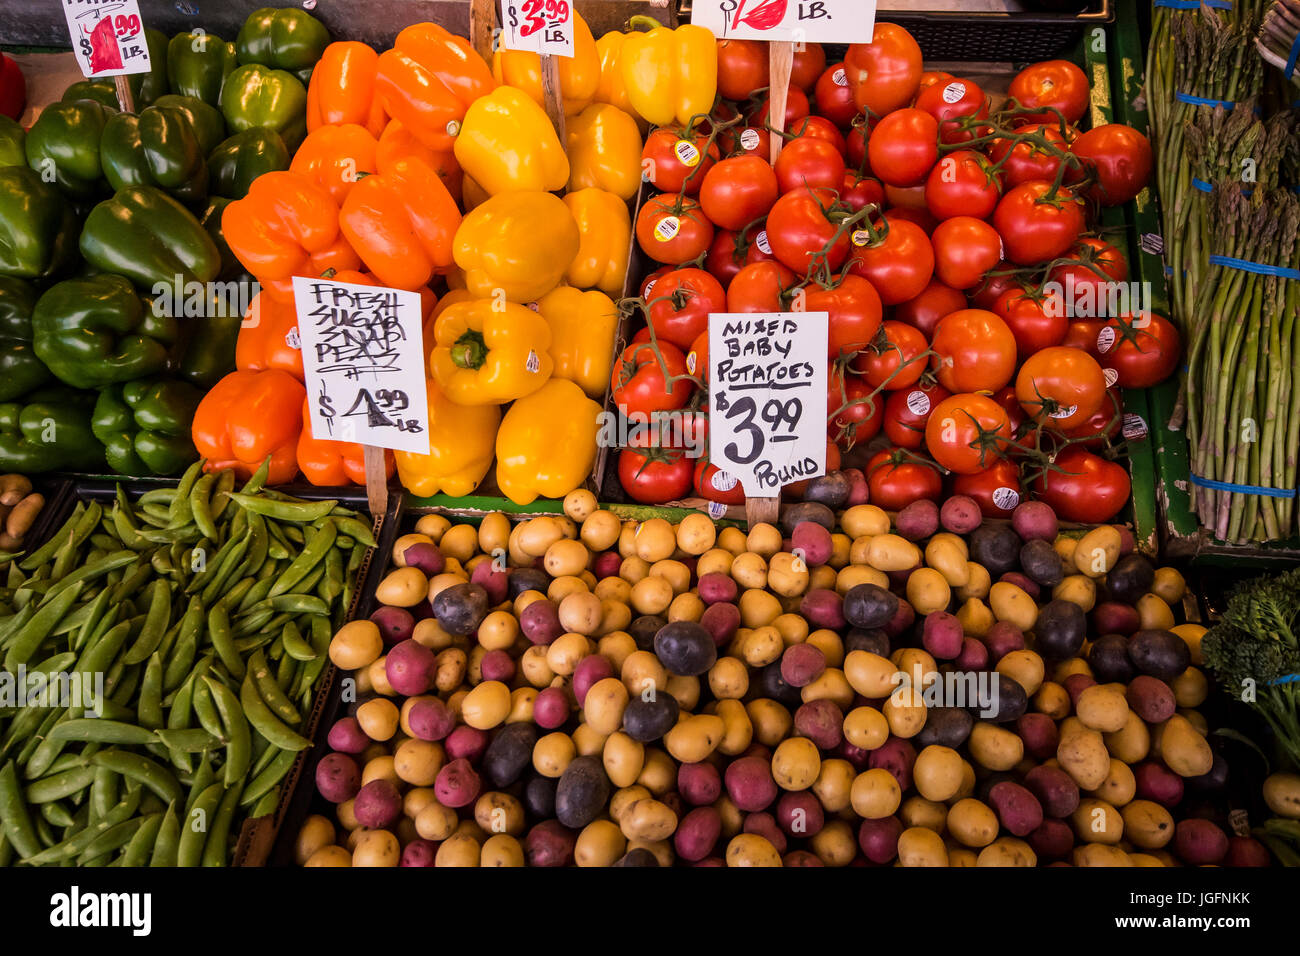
363	359
538	26
767	391
801	21
107	36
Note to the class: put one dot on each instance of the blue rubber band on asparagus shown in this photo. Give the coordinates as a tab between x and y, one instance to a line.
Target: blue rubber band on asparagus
1242	489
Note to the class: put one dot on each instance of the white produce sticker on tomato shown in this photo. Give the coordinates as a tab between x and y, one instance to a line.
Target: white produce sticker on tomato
1110	375
687	153
538	26
918	403
767	397
749	139
761	241
802	21
667	228
1065	411
860	237
107	38
1105	339
723	481
954	91
839	77
1006	498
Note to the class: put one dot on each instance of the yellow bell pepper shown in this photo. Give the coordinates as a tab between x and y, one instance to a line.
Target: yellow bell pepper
461	444
489	353
670	74
507	144
579	74
604	151
605	240
612	89
547	443
516	245
582	337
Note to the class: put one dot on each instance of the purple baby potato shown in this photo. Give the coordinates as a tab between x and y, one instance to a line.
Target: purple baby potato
378	804
395	624
1150	698
1057	793
1003	638
540	622
718	588
410	668
699	783
897	756
960	514
551	708
550	843
347	736
430	719
457	784
1017	808
1052	840
942	635
338	778
823	608
1200	842
497	665
801	664
879	838
419	853
425	556
1034	519
721	621
974	655
821	721
918	520
466	743
814	541
1040	736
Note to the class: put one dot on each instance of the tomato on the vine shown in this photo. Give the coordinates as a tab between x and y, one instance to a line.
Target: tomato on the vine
996	489
997	282
884	73
966	433
742	68
904	147
809	161
675	162
900	265
965	248
680	307
1006	397
798	230
1060	387
949	103
962	184
1083	334
1030	160
1084	281
858	192
649	282
1037	225
672	228
738	190
974	351
854	313
697	356
714	484
1103	425
1036	322
907	410
819	127
1084	487
896	479
1056	83
1120	159
808	63
917	215
925	309
931	77
1143	350
654	476
796	108
764	286
639	380
855	150
725	258
854	410
895	358
834	97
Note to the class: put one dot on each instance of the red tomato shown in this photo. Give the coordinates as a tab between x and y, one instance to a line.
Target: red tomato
931	77
1082	334
926	309
648	284
1084	487
745	139
674	163
858	192
697	356
1036	323
1030	160
920	217
854	311
1104	424
896	480
761	287
809	161
966	433
1120	159
672	228
900	266
1036	228
1060	387
950	102
796	108
797	229
984	295
682	301
716	485
1085	281
962	184
833	97
895	359
1055	83
974	351
903	147
1142	349
738	190
742	68
996	489
856	146
907	410
886	72
819	127
759	248
639	382
965	248
655	476
1006	397
809	62
854	410
725	258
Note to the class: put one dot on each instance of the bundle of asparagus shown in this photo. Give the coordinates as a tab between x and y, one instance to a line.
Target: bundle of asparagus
1279	38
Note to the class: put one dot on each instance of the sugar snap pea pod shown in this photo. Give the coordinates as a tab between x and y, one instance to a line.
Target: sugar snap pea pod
259	536
266	779
308	585
180	511
219	500
202	778
253	622
285	672
30	637
56	814
136	578
265	722
213	565
103	731
99	656
270	691
19	620
197	825
122	681
150	707
114	838
155	516
266	806
156	496
94	612
205	709
14	816
57	786
187	534
295	645
137	851
29	746
187	644
331	585
201	504
236	593
256	594
257	481
6	849
169	834
48	750
223	640
245	644
75	844
148	772
68	761
168	643
232	570
181	708
44	832
22	727
303	512
299	604
192	740
215	849
94	569
47	551
161	561
278	545
355	528
155	623
239	749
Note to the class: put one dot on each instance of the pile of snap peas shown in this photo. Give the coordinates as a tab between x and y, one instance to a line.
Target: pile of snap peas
208	611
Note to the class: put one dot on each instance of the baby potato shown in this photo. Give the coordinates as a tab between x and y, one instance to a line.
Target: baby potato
892	552
1010	603
623	759
458	850
1097	551
355	645
417	762
580	504
694	738
316	832
947	554
928	591
728	679
654	540
972	823
1078	589
787	574
977	583
875	794
487	705
995	748
1102	707
378	718
771	721
1007	851
866	727
750	849
1082	754
975	617
871	675
553	753
1169	585
834	784
433	526
937	773
1096	821
377	848
863	520
764	540
750	570
1025	668
600	843
600	530
436	822
854	574
696	534
920	846
648	820
796	764
498	812
604	705
1154	614
501	849
739	727
920	812
330	856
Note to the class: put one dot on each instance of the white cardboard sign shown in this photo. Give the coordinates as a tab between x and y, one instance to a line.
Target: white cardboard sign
363	359
107	37
799	21
538	26
767	397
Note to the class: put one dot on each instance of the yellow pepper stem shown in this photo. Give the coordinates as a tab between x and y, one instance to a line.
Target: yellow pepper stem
470	351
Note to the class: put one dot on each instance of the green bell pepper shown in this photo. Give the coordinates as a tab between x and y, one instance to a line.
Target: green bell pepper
210	353
38	228
49	430
102	92
20	369
156	148
12	143
256	95
147	236
243	157
198	63
210	220
283	39
206	120
96	331
63	144
145	425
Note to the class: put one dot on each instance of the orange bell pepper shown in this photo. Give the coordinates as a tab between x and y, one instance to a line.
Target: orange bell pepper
342	88
336	158
325	462
398	142
268	337
428	80
248	417
401	222
287	225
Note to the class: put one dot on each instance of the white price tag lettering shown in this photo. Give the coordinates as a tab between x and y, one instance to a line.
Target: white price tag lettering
538	26
107	37
800	21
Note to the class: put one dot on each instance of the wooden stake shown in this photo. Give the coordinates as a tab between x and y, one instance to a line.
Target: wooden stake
762	510
376	480
482	20
551	94
780	56
124	99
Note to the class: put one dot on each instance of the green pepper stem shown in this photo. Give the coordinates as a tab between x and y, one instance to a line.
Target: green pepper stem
470	351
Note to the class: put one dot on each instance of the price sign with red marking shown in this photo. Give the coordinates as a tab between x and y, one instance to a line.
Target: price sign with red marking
107	37
538	26
799	21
